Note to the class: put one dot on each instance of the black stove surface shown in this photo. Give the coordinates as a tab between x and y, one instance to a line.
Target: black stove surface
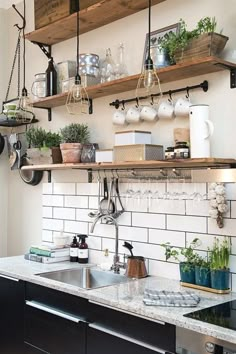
223	315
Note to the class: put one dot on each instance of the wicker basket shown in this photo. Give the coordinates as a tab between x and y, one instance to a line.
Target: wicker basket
207	44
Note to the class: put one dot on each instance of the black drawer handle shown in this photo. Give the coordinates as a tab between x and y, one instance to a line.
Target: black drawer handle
127	338
53	311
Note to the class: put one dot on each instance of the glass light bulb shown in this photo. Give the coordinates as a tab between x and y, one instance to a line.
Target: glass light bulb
149	79
76	92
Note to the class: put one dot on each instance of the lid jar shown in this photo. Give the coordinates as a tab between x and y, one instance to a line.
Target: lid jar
38	88
181	150
170	153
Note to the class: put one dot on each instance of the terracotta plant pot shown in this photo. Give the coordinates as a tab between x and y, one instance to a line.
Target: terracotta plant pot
71	152
44	155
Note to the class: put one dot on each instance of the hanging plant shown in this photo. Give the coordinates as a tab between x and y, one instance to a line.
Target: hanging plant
218	203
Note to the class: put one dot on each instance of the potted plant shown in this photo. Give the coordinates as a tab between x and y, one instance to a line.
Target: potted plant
74	136
200	42
202	272
187	265
219	263
44	147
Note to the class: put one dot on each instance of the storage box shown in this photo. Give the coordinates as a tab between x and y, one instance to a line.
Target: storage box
138	152
104	155
129	137
48	11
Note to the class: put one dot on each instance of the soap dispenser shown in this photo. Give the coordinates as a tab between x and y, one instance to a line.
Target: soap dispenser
74	250
82	249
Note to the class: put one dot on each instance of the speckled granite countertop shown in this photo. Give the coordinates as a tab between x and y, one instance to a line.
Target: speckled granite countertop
125	297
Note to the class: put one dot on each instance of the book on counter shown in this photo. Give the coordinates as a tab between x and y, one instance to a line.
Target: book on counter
44	259
50	251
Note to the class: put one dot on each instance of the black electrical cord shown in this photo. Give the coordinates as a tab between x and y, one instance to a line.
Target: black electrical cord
148	61
24	90
77	77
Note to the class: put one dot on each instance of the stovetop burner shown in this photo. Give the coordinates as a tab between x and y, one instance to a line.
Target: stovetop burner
223	315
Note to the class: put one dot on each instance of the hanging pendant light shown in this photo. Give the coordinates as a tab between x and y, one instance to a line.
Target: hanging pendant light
148	78
77	100
25	109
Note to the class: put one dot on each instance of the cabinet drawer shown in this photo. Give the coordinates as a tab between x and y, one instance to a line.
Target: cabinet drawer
114	343
160	335
53	332
54	298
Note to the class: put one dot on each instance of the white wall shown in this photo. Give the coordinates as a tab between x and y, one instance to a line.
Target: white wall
24	201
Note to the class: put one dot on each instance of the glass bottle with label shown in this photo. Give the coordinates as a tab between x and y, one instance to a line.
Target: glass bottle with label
74	250
51	79
82	249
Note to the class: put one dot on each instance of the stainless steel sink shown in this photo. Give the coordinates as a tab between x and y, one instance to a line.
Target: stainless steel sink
86	278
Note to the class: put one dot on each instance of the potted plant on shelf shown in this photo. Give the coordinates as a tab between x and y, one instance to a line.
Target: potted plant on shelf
200	42
74	136
202	272
187	265
44	147
219	263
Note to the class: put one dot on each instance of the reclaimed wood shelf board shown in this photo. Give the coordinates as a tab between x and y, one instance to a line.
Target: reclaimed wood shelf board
95	16
204	288
188	163
181	71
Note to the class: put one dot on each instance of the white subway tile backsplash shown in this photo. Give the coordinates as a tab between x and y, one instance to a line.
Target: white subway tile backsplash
148	220
206	240
52	224
98	257
234	282
64	213
188	188
64	188
47	236
198	208
186	223
149	250
230	191
47	212
93	203
94	243
133	234
167	206
76	202
47	188
76	227
124	219
87	189
159	237
52	200
135	204
164	269
103	230
82	215
109	244
229	228
233	210
232	264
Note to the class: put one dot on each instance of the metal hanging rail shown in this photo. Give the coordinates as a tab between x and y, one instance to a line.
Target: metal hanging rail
203	85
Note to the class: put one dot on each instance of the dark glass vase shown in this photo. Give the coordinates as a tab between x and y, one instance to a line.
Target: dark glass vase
220	279
203	276
187	272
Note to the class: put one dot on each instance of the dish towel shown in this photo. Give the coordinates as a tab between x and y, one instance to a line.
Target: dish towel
170	298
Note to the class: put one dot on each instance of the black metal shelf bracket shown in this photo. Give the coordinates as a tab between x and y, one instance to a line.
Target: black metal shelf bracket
203	85
49	109
49	176
233	78
47	52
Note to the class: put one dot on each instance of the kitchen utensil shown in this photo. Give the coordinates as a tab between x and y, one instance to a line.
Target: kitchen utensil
30	177
117	213
111	205
93	214
106	207
136	267
17	146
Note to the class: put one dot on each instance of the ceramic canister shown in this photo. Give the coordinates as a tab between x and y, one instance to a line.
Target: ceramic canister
201	129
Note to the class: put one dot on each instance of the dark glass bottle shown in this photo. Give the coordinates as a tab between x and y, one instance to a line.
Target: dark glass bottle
74	250
51	79
82	249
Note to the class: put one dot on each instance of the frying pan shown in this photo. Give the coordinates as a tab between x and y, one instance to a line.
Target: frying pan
2	143
30	177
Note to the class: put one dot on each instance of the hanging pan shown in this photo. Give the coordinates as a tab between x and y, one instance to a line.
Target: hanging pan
2	143
30	177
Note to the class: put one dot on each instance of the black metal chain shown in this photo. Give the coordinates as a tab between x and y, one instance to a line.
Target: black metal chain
16	55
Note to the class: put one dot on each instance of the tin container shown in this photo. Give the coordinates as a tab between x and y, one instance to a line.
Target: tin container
138	152
89	59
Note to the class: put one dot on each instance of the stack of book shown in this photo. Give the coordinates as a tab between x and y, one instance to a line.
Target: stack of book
48	254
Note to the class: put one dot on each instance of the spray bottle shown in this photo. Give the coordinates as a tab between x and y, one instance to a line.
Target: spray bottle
82	249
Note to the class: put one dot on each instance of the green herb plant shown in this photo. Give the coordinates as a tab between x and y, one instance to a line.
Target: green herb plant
40	138
75	133
220	254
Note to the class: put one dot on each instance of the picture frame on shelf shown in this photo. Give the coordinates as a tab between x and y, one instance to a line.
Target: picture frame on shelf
159	57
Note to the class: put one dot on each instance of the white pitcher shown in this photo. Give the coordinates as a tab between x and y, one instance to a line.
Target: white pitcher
201	129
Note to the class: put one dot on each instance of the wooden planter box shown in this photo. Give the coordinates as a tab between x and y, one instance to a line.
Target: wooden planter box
44	156
207	44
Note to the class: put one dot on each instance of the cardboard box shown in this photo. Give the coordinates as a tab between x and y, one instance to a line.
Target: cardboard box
104	155
49	11
140	152
129	137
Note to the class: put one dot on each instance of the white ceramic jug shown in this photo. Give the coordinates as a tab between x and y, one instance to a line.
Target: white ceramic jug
201	129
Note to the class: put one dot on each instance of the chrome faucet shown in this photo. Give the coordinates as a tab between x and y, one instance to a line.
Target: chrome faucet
110	220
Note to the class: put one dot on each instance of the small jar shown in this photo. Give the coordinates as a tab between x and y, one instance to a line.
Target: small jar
181	150
170	153
88	153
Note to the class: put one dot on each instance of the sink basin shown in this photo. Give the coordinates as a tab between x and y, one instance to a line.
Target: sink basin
86	278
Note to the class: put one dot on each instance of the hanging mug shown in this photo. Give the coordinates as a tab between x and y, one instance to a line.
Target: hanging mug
201	129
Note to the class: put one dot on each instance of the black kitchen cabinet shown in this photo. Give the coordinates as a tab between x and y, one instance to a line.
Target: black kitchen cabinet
12	312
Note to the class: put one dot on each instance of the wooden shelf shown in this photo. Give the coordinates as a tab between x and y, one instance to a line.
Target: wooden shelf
176	72
95	16
162	164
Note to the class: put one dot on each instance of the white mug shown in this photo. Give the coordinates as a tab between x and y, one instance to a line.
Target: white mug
182	107
133	114
119	117
166	110
148	113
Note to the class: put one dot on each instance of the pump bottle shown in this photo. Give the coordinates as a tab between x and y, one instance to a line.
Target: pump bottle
82	249
74	250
